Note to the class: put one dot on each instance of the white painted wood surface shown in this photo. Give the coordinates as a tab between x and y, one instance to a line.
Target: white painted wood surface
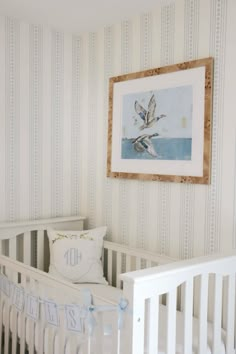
21	233
202	327
188	315
152	325
171	322
230	314
148	283
142	288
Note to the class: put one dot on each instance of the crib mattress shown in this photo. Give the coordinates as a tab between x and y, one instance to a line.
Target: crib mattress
113	294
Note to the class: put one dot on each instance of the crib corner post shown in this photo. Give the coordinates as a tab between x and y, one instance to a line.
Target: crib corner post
134	318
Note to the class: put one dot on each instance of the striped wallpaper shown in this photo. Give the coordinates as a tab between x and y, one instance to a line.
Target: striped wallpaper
53	127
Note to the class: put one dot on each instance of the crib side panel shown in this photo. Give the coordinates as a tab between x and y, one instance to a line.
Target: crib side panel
42	325
118	259
28	242
179	330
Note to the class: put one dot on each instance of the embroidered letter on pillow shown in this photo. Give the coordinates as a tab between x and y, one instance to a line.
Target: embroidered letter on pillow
75	256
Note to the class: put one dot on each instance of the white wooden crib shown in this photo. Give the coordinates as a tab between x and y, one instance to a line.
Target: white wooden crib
173	306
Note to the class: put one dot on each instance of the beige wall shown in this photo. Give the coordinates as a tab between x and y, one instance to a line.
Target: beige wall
53	117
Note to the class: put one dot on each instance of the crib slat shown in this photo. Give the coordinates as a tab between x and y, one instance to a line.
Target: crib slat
188	316
134	343
23	334
12	248
139	326
27	248
138	263
61	342
171	322
1	322
71	344
99	334
128	263
7	329
22	319
41	324
31	336
152	325
51	340
148	264
40	250
203	299
216	343
87	346
115	336
14	330
31	323
41	333
118	269
230	314
109	271
61	337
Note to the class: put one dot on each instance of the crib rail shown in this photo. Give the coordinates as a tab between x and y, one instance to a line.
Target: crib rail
25	244
119	258
27	241
215	277
22	332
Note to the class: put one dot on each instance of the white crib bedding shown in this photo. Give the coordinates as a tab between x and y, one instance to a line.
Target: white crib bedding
114	295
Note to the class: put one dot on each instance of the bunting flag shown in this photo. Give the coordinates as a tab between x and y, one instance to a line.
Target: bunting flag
51	313
5	285
18	297
74	318
77	316
32	307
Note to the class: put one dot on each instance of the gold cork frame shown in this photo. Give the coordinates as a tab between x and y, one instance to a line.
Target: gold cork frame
159	125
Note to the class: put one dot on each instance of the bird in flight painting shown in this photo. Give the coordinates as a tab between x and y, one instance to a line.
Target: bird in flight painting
143	143
148	116
146	136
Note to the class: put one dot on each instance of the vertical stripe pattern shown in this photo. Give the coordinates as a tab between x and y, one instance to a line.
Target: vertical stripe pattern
191	21
12	119
92	126
143	188
167	34
57	123
188	191
126	53
108	70
35	121
167	57
34	135
75	123
217	48
234	200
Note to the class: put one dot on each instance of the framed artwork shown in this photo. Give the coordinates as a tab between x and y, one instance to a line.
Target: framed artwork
159	124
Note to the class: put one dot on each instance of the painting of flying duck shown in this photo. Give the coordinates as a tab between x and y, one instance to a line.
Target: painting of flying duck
160	123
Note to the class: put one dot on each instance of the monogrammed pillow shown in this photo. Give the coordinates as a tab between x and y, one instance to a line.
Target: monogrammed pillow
75	256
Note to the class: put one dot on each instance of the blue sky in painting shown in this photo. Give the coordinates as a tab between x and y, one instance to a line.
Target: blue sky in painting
176	103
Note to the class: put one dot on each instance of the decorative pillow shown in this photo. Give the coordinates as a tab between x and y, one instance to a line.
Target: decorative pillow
75	256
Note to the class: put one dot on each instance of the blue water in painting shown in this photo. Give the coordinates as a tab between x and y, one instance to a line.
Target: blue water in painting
166	149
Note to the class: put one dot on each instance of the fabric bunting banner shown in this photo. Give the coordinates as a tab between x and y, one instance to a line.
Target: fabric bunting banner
51	312
32	307
74	318
18	297
76	315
